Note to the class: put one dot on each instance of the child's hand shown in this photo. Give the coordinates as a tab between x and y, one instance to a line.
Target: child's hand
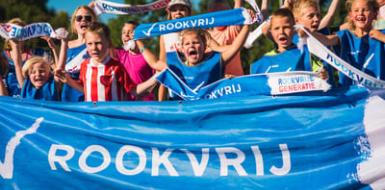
323	74
61	34
301	33
376	34
14	44
61	75
91	5
229	76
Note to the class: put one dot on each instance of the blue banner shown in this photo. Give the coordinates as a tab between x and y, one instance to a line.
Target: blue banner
249	85
238	16
294	142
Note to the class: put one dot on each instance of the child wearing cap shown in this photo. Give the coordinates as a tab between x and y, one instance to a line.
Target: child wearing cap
168	43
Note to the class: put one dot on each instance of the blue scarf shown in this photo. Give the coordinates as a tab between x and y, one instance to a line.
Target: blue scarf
47	92
238	16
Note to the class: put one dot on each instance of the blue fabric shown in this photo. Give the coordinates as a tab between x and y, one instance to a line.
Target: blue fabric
203	21
48	91
206	72
296	142
11	81
358	51
248	85
290	60
68	93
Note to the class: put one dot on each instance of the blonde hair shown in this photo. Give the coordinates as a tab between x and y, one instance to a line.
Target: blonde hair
73	17
16	21
373	5
32	61
302	4
202	34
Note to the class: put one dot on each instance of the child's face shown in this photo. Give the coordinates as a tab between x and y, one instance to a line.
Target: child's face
97	46
127	32
361	14
282	31
178	11
82	21
310	17
192	48
39	74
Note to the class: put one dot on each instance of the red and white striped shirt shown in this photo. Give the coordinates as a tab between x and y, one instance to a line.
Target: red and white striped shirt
107	81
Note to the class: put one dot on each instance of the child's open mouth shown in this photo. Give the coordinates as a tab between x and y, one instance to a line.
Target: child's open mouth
193	52
282	39
361	18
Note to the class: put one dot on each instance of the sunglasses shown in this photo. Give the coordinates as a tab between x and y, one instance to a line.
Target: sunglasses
87	18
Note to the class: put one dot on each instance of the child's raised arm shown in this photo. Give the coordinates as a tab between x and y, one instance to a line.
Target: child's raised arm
237	44
327	40
16	57
328	18
150	58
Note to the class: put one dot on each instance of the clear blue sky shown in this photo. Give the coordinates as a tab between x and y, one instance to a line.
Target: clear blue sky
70	5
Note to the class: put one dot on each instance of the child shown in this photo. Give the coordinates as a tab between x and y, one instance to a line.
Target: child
287	57
168	42
82	17
361	46
197	68
35	75
307	13
225	35
133	60
102	78
11	81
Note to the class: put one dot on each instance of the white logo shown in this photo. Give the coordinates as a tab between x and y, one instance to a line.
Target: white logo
148	33
6	168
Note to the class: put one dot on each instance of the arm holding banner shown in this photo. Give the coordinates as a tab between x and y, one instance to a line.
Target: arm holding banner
51	46
150	58
16	57
328	18
237	44
327	40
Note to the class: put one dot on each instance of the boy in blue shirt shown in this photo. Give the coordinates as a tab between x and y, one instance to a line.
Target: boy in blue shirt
286	57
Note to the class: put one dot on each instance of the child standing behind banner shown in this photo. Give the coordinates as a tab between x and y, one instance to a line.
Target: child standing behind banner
103	78
35	75
168	43
11	81
133	60
287	57
308	14
82	17
361	45
197	68
225	35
